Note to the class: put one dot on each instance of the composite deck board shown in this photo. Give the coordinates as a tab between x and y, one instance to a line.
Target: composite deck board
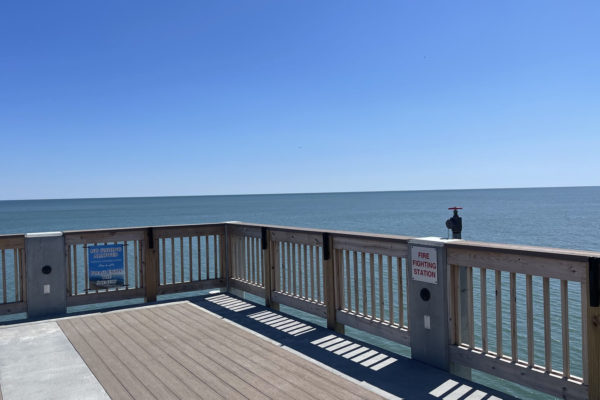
179	351
292	386
282	363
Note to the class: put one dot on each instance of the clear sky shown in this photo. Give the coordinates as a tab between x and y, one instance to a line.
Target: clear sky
149	98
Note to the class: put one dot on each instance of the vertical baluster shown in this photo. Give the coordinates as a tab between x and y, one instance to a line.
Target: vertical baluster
381	298
407	272
126	259
470	307
499	314
16	274
199	246
372	279
190	258
285	258
390	291
346	254
363	261
312	272
172	260
253	258
163	249
293	247
207	256
305	269
564	302
181	258
529	300
513	317
300	270
484	318
547	332
319	272
135	263
400	293
4	299
75	266
215	257
69	273
139	266
584	287
355	265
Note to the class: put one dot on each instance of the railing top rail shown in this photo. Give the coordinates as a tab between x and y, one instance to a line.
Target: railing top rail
12	241
381	236
535	251
139	228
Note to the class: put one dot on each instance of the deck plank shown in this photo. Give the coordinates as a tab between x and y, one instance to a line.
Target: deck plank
279	360
179	351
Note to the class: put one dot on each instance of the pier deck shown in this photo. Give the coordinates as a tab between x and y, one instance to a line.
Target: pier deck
212	347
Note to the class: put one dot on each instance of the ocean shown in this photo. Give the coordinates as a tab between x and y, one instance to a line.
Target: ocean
552	217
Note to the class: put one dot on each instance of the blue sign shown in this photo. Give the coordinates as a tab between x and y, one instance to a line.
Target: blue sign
105	263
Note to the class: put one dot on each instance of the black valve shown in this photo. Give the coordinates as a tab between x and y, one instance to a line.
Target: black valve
46	269
455	223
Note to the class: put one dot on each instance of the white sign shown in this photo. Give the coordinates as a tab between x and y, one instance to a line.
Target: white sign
424	264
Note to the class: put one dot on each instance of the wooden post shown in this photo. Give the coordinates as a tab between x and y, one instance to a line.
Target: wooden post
227	257
330	277
593	329
151	274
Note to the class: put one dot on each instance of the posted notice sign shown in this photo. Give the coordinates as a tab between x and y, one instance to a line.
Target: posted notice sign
105	263
424	264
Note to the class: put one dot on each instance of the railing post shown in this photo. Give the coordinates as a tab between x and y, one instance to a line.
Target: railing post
151	274
330	284
593	329
227	257
46	274
429	321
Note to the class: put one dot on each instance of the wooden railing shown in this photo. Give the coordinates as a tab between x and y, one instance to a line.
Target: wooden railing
525	314
79	291
526	318
372	284
12	274
189	257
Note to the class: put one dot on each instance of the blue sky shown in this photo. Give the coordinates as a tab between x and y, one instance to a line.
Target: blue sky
149	98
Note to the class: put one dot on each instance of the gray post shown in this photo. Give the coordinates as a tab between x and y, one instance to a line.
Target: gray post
46	274
428	302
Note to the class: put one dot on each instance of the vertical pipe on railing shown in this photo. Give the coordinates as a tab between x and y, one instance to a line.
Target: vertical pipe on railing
150	263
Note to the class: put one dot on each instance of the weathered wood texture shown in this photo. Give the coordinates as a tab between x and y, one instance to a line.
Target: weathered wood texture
178	351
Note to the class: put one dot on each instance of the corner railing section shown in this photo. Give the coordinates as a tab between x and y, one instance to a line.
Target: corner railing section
246	259
527	315
12	274
79	291
189	257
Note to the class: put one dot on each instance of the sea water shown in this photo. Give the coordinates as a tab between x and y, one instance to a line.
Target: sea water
553	217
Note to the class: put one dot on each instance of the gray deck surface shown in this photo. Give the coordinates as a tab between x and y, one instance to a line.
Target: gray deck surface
179	351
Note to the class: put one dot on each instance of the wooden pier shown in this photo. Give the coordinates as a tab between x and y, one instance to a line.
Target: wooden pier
513	294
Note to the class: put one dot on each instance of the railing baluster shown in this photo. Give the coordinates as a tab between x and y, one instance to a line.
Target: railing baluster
135	263
564	302
172	260
498	313
207	256
300	286
513	317
16	274
484	318
4	298
470	307
348	290
400	293
355	271
547	332
372	279
363	260
126	260
319	260
381	298
305	269
390	291
75	267
216	254
529	301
